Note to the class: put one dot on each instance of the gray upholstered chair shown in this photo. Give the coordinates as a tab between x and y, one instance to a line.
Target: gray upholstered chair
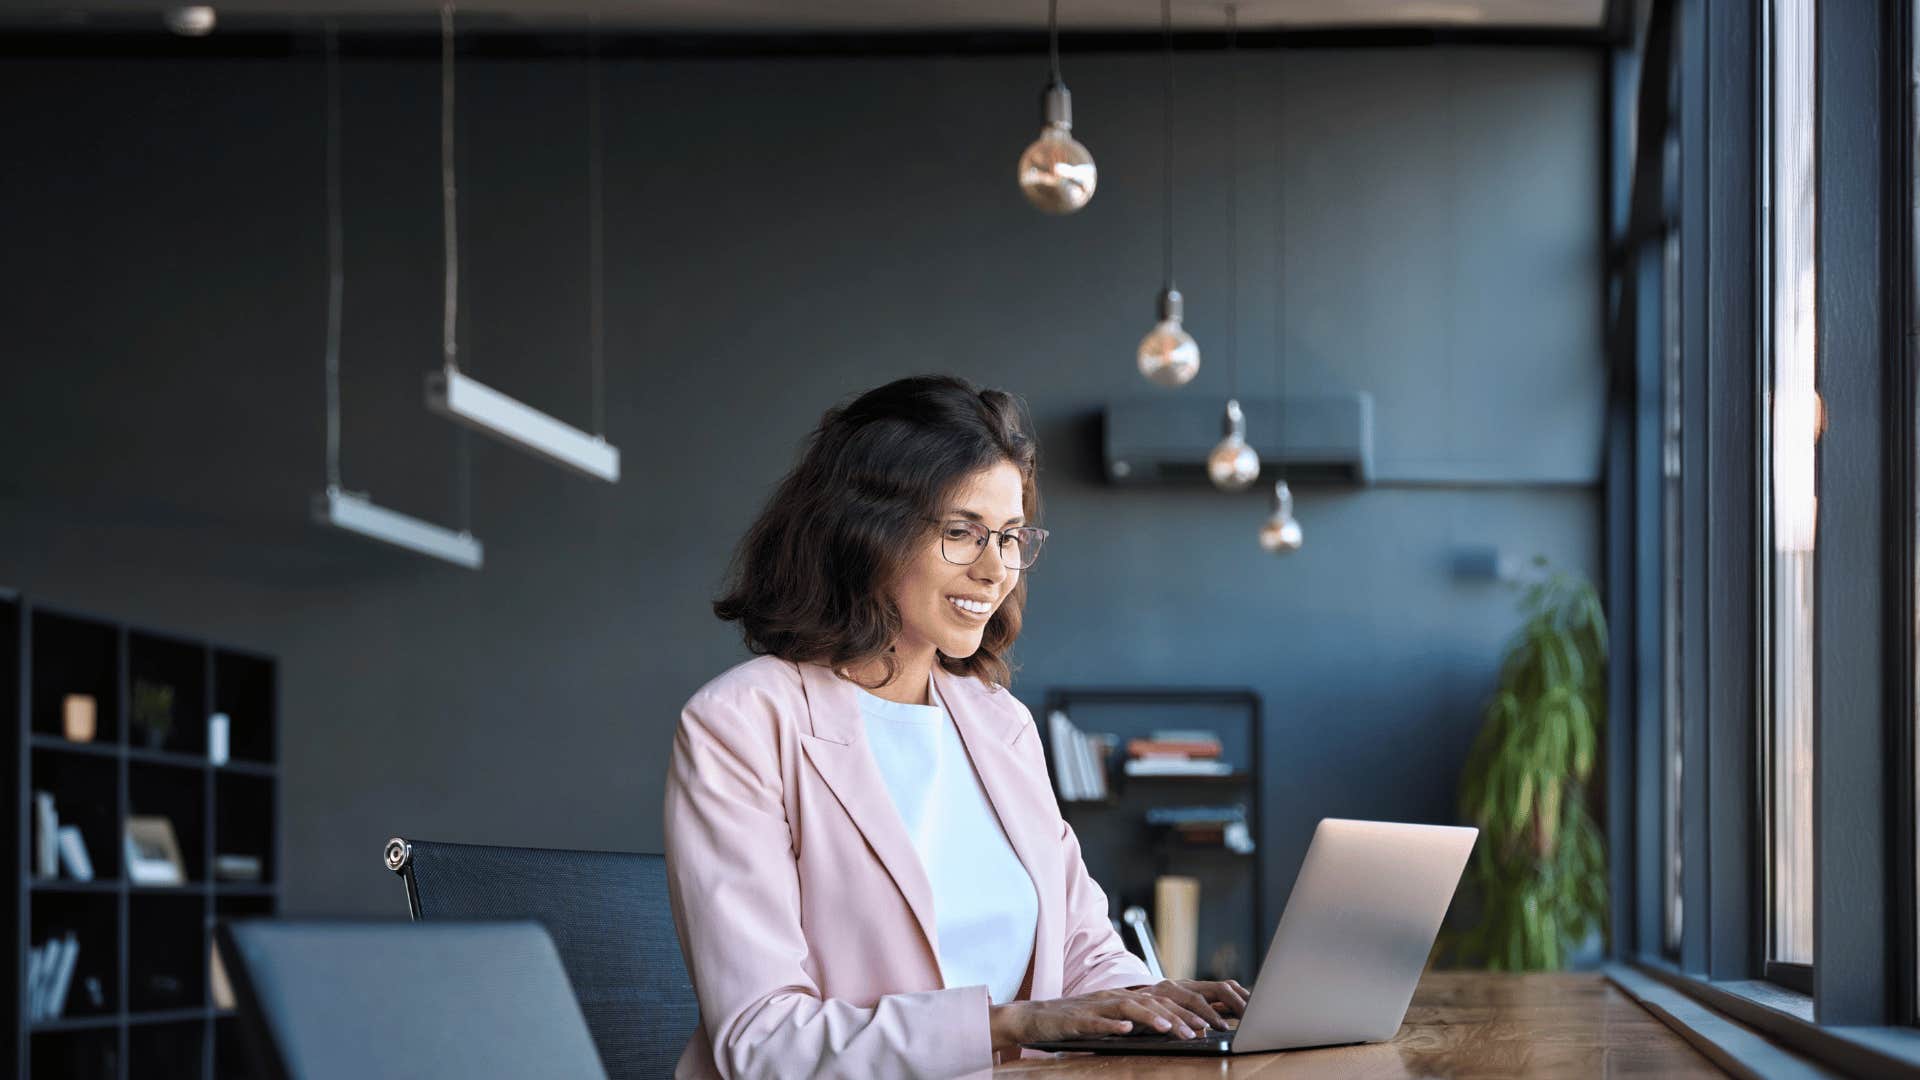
609	916
378	1000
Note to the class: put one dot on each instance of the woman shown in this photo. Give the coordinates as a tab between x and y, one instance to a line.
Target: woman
870	876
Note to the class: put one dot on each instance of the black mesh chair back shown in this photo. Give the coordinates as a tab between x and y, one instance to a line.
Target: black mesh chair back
609	916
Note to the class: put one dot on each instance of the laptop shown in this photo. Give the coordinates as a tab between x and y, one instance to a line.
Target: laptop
1349	950
423	1001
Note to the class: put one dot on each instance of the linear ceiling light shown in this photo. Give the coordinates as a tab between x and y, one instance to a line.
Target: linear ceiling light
354	513
334	506
460	397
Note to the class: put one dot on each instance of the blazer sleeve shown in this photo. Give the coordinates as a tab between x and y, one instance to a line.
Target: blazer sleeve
1096	958
735	889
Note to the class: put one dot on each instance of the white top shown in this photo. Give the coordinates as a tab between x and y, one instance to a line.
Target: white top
984	903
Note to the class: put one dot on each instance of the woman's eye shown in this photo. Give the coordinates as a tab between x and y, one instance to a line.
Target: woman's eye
958	534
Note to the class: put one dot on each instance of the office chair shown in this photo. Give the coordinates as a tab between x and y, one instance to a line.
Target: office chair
611	922
448	1001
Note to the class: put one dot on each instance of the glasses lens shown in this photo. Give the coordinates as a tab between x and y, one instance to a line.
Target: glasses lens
1029	545
963	541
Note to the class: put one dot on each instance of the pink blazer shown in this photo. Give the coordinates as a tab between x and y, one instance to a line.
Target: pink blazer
804	913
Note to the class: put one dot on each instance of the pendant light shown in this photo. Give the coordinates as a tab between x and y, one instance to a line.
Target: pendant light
1280	533
335	506
1057	174
1168	355
459	396
1233	465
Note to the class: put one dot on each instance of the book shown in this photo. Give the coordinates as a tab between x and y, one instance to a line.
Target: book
1060	735
63	976
1176	924
1176	767
73	853
46	843
1173	748
1184	815
36	964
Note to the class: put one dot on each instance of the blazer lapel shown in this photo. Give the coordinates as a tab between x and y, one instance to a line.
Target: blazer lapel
838	749
991	736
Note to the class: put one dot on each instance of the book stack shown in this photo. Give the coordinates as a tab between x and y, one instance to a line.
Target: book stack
1176	753
49	975
55	844
1205	826
1079	760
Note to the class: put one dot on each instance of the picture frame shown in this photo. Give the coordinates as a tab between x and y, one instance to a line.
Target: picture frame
152	852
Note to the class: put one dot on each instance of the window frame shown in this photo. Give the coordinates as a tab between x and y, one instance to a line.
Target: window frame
1867	564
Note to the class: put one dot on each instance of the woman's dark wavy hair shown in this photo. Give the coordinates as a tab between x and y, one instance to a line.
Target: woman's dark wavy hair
809	581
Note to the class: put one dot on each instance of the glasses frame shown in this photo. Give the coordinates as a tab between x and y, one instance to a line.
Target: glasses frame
991	533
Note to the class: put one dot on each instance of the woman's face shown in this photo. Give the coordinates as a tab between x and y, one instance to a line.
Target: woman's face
929	585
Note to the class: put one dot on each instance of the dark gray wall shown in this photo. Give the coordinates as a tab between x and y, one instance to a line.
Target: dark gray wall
781	234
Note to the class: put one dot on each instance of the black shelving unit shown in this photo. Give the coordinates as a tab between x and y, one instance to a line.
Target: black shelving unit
1125	855
145	948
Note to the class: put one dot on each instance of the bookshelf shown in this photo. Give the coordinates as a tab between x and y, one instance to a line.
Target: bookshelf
1125	854
140	999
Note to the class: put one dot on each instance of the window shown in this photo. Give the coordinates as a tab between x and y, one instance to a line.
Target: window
1791	428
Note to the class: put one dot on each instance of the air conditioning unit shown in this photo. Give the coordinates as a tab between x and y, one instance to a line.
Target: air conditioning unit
1323	440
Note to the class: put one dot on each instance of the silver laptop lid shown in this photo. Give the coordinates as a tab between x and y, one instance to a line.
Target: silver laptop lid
1355	934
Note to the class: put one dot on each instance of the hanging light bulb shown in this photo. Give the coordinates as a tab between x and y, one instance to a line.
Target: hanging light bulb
1281	533
1233	464
1057	174
1168	354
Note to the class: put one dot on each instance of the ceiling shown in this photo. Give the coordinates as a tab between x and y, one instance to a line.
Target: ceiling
867	16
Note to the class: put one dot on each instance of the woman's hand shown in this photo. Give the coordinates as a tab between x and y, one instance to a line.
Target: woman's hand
1185	1007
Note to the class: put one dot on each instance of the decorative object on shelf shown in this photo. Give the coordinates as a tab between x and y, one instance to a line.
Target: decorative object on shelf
1281	534
1540	869
219	735
221	986
1233	465
230	867
153	855
73	853
335	506
460	397
1176	921
79	717
1057	174
1168	355
153	712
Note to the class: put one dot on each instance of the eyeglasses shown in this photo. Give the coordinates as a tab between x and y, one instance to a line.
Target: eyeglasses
961	542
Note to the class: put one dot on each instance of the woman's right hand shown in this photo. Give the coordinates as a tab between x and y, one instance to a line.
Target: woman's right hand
1103	1012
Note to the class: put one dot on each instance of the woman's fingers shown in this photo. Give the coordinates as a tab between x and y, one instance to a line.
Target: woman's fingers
1192	1002
1229	993
1157	1014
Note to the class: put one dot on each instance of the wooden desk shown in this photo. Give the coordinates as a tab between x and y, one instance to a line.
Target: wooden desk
1461	1024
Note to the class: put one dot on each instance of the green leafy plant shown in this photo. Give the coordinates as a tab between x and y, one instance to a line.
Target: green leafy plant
1539	868
153	710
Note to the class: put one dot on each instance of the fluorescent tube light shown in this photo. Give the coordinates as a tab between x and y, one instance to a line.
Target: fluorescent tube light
356	514
491	412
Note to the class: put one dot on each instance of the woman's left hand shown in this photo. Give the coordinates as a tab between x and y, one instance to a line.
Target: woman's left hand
1212	1001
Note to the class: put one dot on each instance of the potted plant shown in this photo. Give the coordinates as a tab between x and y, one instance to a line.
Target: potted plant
153	711
1539	868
